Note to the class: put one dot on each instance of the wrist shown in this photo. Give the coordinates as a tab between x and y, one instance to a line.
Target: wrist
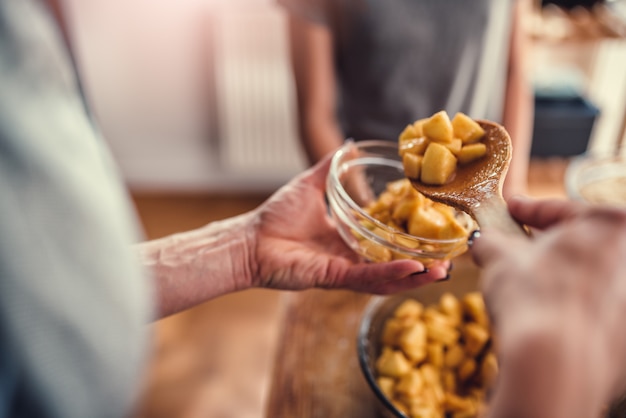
194	266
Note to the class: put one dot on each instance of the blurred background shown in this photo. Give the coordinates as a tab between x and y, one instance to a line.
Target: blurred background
196	99
193	95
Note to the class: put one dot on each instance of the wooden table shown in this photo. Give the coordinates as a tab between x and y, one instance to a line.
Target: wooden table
316	372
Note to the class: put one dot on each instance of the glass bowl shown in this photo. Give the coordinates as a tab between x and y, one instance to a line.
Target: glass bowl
466	279
597	179
380	308
359	173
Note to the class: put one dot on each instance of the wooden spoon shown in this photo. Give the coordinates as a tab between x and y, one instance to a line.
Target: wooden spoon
477	187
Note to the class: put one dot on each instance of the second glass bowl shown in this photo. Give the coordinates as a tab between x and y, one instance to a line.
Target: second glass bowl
597	179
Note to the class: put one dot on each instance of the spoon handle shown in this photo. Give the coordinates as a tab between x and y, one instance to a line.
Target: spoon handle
493	213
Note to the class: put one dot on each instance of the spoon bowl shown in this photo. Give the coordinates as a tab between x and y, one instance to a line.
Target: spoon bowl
476	188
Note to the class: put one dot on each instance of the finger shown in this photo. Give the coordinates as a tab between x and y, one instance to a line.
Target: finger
317	174
409	282
543	213
488	245
392	277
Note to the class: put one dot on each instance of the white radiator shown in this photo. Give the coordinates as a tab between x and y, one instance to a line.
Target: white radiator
607	90
255	99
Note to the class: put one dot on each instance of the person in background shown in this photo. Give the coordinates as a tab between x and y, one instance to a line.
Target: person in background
364	69
78	288
558	304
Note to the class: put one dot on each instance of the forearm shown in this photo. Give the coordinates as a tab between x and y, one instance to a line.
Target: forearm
518	119
319	135
192	267
312	59
519	107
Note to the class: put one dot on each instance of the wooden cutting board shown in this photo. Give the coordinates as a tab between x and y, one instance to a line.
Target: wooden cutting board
316	373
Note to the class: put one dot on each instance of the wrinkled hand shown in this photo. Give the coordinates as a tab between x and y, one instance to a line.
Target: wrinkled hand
297	246
558	303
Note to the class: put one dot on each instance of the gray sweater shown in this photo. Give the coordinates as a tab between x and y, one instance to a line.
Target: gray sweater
400	60
74	303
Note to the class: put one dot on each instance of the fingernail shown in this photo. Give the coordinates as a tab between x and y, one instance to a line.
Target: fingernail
473	237
420	272
443	279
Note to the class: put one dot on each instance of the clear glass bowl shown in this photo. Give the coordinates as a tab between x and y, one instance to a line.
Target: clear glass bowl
360	172
597	179
380	308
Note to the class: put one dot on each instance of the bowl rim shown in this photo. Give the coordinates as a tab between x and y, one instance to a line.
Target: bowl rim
363	355
334	186
579	163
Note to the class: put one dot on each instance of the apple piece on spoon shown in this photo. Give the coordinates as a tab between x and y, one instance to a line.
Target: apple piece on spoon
476	187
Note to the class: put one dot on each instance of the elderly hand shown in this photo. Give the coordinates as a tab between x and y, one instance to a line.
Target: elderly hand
289	242
296	246
558	303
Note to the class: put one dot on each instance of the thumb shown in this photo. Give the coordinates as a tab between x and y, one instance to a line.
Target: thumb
488	245
543	213
316	175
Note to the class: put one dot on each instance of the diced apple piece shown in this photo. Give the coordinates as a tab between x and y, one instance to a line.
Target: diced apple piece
438	164
455	145
407	242
438	127
471	152
410	308
474	306
467	369
393	225
466	128
419	126
426	222
412	164
411	384
413	146
454	357
429	222
447	211
386	385
415	335
382	204
375	251
489	369
424	410
393	363
408	133
392	328
398	187
403	210
367	224
453	229
380	232
475	337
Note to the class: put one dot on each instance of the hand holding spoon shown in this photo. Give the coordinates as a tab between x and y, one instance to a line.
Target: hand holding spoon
477	187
